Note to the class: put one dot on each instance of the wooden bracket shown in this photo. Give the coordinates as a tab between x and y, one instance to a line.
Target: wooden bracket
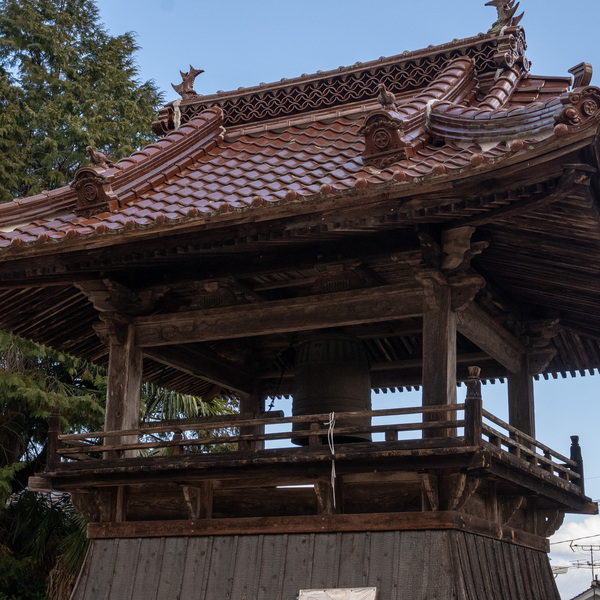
109	296
455	489
464	288
95	505
509	506
324	492
199	499
431	279
431	492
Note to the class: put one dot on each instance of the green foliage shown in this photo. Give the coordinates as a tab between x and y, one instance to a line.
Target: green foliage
34	528
159	404
18	578
7	474
65	83
33	380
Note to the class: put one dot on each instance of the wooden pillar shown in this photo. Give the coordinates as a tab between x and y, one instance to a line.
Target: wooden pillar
439	350
124	384
521	411
251	405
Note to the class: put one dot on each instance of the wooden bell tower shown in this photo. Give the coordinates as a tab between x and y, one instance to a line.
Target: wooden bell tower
420	221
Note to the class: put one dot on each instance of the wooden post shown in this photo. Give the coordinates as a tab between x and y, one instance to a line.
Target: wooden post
52	458
251	405
177	437
473	408
313	438
124	385
521	411
439	351
576	456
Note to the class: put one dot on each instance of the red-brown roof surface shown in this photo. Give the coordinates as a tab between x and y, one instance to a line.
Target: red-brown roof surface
203	170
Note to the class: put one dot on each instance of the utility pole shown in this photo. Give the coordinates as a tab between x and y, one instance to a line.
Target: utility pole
584	549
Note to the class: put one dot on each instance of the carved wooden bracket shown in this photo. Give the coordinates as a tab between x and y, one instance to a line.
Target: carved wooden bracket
537	337
109	296
464	289
94	193
540	359
385	143
548	521
455	252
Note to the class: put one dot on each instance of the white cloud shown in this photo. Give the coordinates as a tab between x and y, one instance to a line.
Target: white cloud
576	580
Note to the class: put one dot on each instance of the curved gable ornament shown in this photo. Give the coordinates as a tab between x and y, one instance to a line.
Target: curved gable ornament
94	193
579	107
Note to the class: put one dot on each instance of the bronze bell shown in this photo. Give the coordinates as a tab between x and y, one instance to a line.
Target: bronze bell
332	375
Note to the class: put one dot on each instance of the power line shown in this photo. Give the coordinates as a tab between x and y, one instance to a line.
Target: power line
587	537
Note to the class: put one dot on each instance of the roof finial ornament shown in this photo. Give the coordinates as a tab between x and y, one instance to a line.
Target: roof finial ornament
506	14
186	88
99	159
386	98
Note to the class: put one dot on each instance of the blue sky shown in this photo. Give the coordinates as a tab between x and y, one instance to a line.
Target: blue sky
242	43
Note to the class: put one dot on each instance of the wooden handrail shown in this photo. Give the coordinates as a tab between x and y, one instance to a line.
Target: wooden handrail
527	438
510	442
264	436
229	422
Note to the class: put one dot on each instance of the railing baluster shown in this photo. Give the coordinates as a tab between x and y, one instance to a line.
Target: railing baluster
473	408
313	438
576	456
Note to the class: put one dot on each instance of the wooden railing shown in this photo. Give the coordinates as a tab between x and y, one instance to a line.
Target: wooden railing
466	424
524	447
217	431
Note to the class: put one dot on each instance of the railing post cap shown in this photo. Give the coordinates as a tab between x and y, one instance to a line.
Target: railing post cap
474	372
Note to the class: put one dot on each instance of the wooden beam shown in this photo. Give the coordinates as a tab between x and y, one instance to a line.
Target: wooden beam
298	314
404	521
206	364
476	325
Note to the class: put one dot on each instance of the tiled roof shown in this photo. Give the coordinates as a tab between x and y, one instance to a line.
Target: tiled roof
203	171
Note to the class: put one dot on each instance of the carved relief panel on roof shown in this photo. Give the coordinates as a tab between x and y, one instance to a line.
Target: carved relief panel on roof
94	193
384	139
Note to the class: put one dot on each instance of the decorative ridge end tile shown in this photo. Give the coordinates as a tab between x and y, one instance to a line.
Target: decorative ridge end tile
94	193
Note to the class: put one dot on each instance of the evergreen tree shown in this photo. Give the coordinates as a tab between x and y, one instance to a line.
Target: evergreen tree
65	83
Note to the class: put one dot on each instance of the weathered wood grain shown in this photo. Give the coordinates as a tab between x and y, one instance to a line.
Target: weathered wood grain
401	564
